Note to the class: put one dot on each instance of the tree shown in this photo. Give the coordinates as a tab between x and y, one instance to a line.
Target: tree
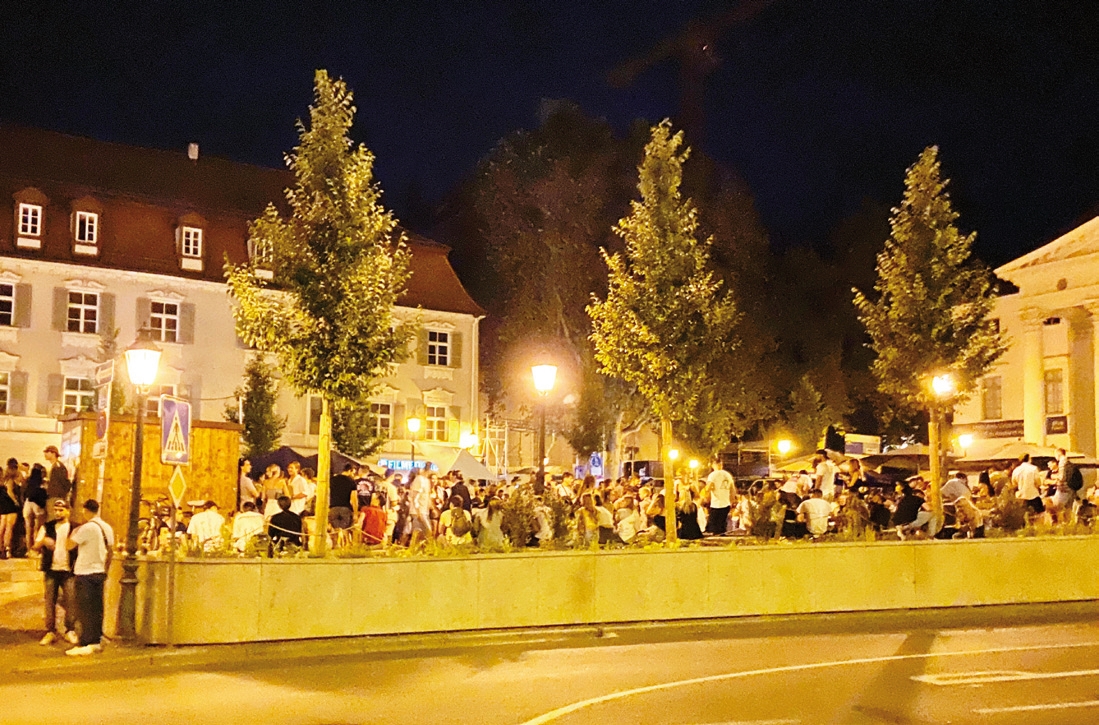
664	321
254	408
339	266
353	428
930	313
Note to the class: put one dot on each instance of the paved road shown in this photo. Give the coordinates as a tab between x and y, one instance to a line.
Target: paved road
1029	666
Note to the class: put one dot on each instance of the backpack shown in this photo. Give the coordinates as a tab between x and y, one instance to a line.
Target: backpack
1074	478
460	525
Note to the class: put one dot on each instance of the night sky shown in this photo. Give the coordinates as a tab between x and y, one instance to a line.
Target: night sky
818	104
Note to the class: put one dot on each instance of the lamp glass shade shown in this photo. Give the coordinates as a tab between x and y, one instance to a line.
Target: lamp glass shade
785	446
942	385
142	361
413	425
544	377
673	454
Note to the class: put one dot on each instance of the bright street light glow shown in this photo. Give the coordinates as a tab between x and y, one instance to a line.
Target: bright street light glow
468	440
142	361
413	425
673	454
692	464
785	446
965	440
544	377
942	385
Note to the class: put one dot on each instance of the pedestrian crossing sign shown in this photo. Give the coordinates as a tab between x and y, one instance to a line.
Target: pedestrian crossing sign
175	431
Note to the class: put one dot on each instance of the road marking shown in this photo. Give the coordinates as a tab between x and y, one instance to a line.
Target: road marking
758	722
947	679
583	704
1037	708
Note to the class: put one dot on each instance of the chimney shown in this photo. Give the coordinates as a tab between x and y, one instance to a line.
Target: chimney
192	151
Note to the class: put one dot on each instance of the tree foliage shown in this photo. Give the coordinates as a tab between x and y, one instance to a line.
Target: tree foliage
930	311
353	428
256	400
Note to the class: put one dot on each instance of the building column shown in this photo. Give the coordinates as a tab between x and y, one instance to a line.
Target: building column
1079	395
1034	403
1092	306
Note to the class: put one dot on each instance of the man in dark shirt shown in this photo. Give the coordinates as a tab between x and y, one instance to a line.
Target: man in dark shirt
58	485
460	489
285	526
910	515
342	500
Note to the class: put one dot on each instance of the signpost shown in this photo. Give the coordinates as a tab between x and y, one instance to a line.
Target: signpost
175	450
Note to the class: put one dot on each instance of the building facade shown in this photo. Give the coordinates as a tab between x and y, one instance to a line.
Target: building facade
99	240
1043	389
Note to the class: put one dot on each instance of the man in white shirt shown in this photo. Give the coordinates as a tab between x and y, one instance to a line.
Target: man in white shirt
720	483
814	512
52	541
246	525
1025	478
94	542
205	527
299	487
419	505
825	475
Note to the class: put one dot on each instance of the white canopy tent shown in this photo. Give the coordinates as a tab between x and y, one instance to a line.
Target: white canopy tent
449	459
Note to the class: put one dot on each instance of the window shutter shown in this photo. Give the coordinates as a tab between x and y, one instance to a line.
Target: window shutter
144	313
454	424
455	349
421	347
106	314
17	393
60	309
398	428
23	305
187	323
55	393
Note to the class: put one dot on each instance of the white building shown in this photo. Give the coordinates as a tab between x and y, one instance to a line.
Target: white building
96	237
1043	389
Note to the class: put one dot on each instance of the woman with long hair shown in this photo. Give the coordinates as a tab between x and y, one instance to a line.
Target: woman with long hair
34	501
9	509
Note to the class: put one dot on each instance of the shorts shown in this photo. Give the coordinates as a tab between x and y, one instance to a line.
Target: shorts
30	507
1036	505
339	517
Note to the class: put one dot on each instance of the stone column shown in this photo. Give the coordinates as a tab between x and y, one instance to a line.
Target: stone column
1034	403
1079	394
1092	306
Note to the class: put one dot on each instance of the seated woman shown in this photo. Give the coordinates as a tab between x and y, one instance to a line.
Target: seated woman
374	519
687	517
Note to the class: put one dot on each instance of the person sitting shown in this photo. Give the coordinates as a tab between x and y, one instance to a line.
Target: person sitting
455	525
374	519
246	525
628	520
604	519
205	527
284	528
487	524
957	487
687	517
911	514
814	512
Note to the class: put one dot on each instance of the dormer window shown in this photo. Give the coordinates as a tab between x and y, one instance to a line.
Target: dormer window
190	248
86	232
30	220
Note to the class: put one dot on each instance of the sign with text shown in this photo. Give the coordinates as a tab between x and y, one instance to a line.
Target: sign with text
992	429
1056	425
175	431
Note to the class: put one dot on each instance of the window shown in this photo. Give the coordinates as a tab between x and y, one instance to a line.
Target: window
436	423
87	227
30	220
152	403
381	420
992	406
83	312
192	242
79	395
7	304
438	348
5	392
164	321
1055	393
314	422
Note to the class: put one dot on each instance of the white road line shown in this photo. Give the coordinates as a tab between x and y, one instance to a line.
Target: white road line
1037	708
758	722
583	704
946	679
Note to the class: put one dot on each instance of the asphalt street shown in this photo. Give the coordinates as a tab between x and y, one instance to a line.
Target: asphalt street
1004	665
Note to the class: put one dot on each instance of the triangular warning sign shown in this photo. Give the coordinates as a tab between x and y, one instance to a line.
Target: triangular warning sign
176	447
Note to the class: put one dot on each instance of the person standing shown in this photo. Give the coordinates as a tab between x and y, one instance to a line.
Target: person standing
1025	478
57	567
58	485
94	543
343	497
247	490
9	506
720	483
34	501
299	488
825	475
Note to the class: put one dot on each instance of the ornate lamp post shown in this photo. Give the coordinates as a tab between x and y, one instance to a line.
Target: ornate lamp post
942	390
142	361
413	424
544	378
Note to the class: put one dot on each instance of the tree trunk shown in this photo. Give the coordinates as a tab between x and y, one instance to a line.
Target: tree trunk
934	439
670	533
318	546
614	462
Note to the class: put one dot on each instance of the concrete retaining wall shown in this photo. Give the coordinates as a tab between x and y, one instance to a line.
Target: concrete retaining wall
253	600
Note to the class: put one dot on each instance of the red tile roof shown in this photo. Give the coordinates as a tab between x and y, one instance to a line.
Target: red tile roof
144	192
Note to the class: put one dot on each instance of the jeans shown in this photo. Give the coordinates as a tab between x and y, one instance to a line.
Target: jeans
60	585
89	605
719	517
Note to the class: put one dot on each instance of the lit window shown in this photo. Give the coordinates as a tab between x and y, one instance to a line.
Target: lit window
164	321
992	399
192	242
436	424
7	305
1055	392
30	220
79	395
314	422
438	348
5	392
381	419
87	227
83	312
152	403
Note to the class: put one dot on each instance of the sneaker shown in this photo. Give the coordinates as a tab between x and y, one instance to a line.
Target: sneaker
71	637
49	639
88	649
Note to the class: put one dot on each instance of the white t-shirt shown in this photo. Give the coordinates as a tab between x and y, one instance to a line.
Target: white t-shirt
246	524
299	486
816	512
790	485
721	484
93	538
1025	478
419	501
628	524
826	474
206	527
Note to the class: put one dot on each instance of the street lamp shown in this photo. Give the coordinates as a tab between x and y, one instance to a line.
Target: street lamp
544	378
693	465
413	424
142	361
942	390
784	446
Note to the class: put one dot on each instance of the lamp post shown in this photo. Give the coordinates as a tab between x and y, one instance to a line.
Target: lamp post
942	389
544	378
413	424
693	464
784	447
142	361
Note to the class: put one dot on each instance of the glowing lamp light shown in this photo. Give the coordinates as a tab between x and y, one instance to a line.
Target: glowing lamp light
544	377
693	464
413	425
965	440
468	440
673	454
784	446
142	361
942	385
